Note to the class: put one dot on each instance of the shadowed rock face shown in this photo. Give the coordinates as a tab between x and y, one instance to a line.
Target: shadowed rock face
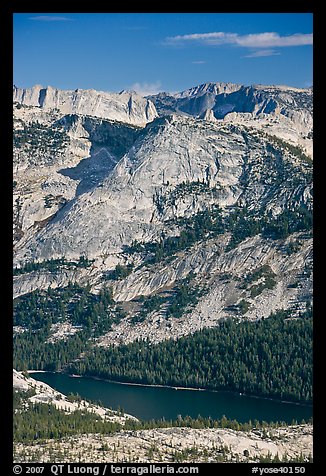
57	158
223	98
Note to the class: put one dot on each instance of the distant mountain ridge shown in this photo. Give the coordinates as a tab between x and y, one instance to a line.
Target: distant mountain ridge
238	98
126	106
221	97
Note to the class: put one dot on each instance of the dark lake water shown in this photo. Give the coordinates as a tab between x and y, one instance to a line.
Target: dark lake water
157	402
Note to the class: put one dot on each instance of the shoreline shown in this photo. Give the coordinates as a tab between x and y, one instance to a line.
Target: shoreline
174	387
143	384
39	372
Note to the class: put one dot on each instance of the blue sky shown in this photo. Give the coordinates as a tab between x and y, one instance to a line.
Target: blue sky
152	52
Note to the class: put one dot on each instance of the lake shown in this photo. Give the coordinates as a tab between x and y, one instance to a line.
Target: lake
156	402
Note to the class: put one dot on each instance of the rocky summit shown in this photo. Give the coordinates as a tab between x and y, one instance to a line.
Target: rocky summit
212	185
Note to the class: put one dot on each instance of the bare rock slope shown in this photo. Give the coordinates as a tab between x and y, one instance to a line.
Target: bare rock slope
222	164
116	192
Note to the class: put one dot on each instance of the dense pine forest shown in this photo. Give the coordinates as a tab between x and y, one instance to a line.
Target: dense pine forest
52	265
271	357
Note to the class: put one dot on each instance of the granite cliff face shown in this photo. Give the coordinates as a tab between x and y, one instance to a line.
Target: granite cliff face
125	106
97	177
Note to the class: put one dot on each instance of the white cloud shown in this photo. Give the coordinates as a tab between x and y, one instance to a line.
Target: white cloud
198	62
216	36
256	40
145	89
270	40
261	53
50	18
